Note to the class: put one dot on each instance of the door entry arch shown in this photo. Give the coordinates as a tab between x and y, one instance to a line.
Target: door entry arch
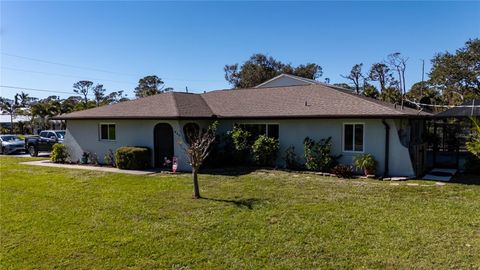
163	144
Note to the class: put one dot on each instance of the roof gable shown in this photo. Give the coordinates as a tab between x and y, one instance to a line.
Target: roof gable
283	80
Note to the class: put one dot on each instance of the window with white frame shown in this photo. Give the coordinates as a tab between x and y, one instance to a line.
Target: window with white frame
107	132
353	137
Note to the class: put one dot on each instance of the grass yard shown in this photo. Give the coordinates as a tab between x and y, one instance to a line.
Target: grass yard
74	219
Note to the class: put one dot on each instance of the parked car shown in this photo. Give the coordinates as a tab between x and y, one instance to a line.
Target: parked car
11	144
44	141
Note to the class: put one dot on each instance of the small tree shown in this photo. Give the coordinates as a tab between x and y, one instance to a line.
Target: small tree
355	76
198	148
99	94
83	88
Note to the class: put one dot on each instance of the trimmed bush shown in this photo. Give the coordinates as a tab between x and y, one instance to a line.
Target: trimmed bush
59	153
133	158
264	151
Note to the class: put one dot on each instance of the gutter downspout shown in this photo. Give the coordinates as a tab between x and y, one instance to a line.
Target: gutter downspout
387	146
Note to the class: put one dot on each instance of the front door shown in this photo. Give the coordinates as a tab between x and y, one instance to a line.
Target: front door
163	145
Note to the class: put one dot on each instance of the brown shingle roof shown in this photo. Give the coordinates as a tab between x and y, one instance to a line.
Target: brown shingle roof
307	101
299	101
171	105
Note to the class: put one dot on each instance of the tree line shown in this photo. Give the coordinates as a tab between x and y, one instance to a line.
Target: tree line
453	78
88	95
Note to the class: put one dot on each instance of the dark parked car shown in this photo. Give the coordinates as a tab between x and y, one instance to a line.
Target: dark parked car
10	144
44	141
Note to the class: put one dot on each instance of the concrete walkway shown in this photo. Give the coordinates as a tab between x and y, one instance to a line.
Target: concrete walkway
48	163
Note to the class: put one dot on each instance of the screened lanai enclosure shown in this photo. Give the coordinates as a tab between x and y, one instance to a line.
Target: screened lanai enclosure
447	134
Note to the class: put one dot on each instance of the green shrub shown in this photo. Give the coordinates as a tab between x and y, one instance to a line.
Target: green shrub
240	138
264	151
317	155
242	144
366	162
59	153
133	158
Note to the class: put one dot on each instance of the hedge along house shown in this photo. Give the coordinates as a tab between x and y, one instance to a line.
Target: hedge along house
290	113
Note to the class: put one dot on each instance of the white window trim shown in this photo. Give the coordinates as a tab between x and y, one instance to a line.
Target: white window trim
262	123
343	137
100	132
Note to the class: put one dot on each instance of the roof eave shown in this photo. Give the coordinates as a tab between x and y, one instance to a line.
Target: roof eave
260	117
134	117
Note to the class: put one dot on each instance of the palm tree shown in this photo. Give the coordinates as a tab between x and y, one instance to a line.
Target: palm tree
23	99
9	107
44	109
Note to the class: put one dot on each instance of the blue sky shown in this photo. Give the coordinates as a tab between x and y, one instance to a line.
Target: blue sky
188	43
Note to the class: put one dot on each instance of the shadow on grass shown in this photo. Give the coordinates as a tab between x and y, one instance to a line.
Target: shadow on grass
241	203
467	179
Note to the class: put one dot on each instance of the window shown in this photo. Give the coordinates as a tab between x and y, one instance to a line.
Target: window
353	139
271	130
107	132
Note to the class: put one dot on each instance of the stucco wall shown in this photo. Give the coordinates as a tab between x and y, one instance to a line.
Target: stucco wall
82	135
293	132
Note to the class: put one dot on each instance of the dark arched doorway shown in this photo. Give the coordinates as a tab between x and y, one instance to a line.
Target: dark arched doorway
163	144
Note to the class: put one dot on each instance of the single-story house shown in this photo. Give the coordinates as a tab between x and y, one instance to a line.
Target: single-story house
290	113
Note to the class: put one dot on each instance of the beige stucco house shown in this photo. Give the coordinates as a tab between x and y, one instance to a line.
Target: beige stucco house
287	107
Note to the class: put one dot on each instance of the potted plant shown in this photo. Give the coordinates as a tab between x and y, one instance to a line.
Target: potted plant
366	162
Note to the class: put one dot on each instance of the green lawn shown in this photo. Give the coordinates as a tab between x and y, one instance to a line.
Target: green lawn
74	219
